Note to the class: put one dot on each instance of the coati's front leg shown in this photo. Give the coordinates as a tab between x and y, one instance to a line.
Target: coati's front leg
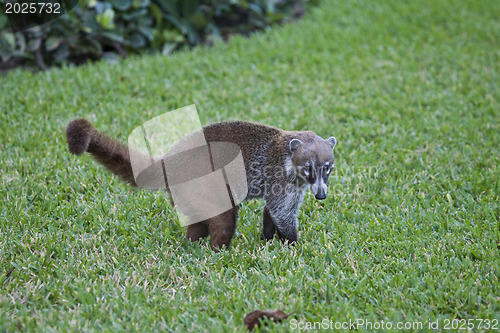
288	232
281	213
268	228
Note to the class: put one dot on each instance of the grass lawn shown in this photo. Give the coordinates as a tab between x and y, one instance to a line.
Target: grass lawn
410	229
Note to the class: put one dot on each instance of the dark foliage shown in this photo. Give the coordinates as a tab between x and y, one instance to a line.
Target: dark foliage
112	29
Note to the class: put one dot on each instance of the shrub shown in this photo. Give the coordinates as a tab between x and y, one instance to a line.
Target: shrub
112	29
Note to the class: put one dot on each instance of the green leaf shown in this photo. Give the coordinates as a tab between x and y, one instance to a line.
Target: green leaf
168	48
176	22
112	35
193	36
106	19
34	44
111	57
156	12
255	8
21	41
136	40
62	52
3	21
146	32
91	3
198	21
5	55
140	3
135	14
95	46
173	36
169	6
121	4
101	7
9	38
52	43
214	33
189	7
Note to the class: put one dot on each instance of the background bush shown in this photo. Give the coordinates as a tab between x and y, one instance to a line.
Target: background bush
114	28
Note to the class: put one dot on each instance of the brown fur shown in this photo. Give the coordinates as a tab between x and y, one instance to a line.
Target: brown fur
220	227
83	137
261	146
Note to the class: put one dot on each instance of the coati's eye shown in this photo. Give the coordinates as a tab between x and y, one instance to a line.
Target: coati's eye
307	169
326	169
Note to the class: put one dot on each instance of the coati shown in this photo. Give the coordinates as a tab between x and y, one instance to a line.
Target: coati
273	159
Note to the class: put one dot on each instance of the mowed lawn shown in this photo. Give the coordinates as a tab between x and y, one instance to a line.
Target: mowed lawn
410	229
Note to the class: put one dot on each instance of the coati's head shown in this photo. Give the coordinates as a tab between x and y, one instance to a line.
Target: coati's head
313	162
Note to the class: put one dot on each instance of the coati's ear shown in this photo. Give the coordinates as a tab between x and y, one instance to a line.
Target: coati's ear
294	144
332	141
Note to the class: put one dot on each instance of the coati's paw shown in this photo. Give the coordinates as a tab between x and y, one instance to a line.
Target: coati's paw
267	237
289	238
79	134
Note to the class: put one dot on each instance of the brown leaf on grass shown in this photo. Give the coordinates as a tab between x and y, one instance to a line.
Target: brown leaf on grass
253	318
9	273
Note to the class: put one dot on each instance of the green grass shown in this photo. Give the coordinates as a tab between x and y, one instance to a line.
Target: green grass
409	232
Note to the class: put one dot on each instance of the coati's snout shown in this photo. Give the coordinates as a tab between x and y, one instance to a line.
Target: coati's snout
319	187
313	161
319	190
320	197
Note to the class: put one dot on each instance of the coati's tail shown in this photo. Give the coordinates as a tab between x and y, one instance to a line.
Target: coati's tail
83	137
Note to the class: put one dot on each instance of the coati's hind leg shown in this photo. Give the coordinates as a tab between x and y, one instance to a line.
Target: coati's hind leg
268	228
196	231
222	228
